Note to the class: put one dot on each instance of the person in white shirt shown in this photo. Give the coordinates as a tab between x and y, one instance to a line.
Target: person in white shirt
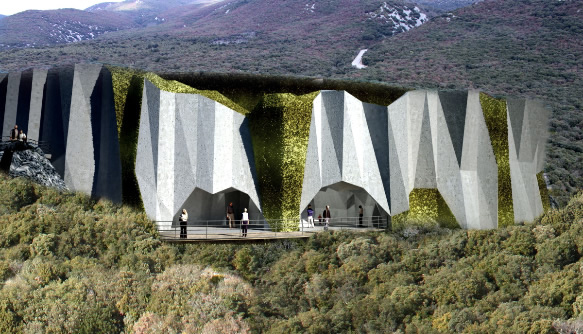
244	222
183	222
22	136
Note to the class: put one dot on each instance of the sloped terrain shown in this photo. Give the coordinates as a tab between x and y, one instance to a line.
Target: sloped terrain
525	48
105	268
35	28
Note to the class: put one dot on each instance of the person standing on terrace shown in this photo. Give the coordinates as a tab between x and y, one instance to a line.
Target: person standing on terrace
327	217
183	223
244	223
231	215
310	216
14	133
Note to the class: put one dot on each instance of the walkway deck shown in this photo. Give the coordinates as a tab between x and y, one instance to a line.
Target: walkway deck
217	234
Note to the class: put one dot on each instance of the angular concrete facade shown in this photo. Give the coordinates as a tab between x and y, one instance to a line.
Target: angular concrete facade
191	154
196	153
342	169
424	140
71	112
527	136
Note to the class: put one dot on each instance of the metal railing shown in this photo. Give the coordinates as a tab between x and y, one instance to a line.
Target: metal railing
45	146
264	228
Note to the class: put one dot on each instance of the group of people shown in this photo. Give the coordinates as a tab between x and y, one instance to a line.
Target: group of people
17	136
323	218
326	216
183	220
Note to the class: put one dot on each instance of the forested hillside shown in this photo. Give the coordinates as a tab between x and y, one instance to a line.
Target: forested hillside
69	264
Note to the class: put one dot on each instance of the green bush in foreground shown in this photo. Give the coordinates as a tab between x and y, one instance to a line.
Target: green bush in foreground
72	264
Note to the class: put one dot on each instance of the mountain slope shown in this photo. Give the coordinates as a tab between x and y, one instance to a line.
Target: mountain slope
507	47
148	12
38	28
446	5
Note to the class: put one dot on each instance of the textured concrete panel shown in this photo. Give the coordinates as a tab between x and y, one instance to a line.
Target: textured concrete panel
147	150
479	169
11	106
80	158
36	103
527	136
454	106
341	164
24	92
3	88
448	177
107	178
55	114
192	154
399	155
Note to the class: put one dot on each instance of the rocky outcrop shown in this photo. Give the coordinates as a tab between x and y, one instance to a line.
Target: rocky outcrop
32	164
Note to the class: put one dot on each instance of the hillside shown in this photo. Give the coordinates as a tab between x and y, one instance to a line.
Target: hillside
446	5
522	48
525	48
104	267
36	28
234	22
149	12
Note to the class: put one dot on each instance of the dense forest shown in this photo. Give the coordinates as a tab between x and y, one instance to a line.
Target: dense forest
70	264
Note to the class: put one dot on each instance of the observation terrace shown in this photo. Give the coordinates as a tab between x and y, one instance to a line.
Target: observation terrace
218	230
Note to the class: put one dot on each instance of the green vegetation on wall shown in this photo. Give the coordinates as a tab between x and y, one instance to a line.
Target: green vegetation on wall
496	120
127	91
280	127
544	192
426	208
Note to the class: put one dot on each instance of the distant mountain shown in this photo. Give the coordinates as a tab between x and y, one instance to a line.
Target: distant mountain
35	28
148	12
2	16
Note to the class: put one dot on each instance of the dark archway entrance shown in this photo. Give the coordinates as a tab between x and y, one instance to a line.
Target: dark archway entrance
344	199
203	206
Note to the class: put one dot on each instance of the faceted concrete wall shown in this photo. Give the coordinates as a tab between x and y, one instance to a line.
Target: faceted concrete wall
70	110
342	168
424	140
196	153
92	163
527	135
191	155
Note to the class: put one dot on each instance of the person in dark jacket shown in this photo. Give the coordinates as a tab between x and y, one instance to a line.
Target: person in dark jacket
327	217
14	133
231	215
360	215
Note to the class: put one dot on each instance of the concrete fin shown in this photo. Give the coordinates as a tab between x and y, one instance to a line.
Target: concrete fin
516	118
3	88
206	121
377	120
87	74
11	106
425	166
36	103
333	105
454	105
23	107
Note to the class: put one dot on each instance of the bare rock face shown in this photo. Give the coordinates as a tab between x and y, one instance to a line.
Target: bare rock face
32	164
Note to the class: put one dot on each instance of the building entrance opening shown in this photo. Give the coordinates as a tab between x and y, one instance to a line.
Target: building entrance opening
206	208
345	200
